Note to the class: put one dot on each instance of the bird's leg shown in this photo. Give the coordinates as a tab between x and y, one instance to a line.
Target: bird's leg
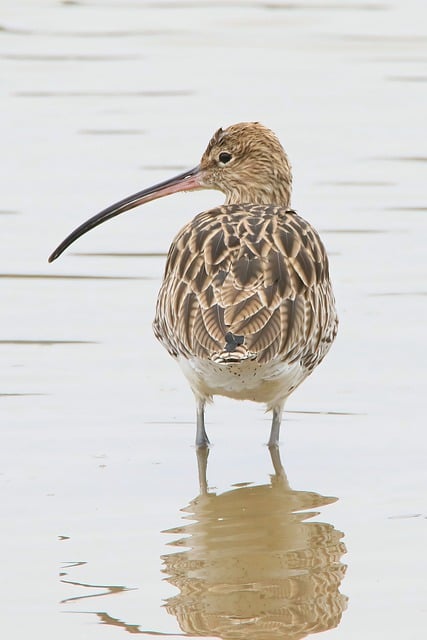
280	475
202	463
202	439
275	459
275	425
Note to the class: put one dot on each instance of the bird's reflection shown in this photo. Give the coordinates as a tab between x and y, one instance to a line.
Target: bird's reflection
255	565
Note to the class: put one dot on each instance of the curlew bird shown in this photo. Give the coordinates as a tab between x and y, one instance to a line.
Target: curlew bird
246	305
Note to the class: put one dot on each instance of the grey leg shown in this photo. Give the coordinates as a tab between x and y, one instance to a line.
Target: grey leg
202	463
275	426
279	479
202	439
277	463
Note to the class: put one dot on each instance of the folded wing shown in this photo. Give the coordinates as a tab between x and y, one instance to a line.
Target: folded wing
256	273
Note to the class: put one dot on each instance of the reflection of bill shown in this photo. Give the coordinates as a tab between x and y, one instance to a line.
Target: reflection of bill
254	567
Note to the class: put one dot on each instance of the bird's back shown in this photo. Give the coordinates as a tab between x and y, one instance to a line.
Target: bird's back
247	282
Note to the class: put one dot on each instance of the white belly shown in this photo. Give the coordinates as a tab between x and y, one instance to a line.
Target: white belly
247	380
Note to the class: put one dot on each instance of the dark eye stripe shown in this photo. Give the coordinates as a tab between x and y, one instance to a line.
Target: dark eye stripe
224	157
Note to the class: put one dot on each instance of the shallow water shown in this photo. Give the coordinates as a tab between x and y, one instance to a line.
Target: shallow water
109	524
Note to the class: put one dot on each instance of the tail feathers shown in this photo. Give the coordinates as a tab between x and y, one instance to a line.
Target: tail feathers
234	350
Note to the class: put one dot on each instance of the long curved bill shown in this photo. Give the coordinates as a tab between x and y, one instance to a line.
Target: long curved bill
186	181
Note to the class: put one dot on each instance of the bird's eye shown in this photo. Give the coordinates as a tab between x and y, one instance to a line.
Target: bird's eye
224	157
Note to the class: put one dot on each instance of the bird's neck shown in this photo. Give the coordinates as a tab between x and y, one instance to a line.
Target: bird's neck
278	194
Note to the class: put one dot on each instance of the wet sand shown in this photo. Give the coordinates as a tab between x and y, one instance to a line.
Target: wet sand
110	523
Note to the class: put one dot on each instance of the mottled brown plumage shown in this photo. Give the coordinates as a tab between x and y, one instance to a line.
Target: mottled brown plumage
246	305
252	270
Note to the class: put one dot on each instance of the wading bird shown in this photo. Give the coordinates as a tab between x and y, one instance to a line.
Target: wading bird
246	305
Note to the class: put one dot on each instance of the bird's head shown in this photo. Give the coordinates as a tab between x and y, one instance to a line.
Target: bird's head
245	161
248	164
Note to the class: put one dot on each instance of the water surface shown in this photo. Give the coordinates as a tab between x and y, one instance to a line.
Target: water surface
110	524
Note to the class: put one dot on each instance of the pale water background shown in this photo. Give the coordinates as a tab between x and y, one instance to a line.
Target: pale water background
99	99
